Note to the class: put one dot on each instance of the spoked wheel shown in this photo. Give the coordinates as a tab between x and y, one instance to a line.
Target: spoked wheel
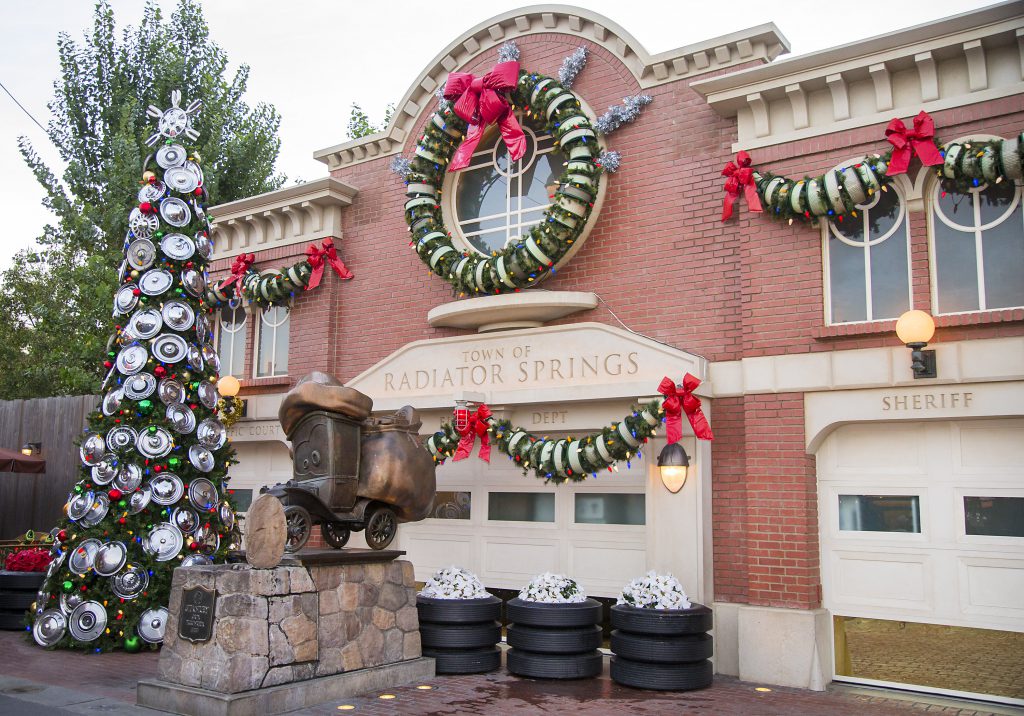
381	528
299	524
334	534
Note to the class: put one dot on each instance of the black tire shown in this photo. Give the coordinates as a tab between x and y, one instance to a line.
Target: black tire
12	621
299	525
458	611
21	581
554	666
381	527
460	636
662	677
662	649
471	661
576	614
554	641
334	534
669	622
14	601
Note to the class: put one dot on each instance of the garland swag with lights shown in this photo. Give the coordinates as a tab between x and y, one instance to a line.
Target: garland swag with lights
152	493
561	460
837	193
548	106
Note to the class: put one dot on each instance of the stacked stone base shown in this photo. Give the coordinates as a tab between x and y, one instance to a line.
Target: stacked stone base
279	630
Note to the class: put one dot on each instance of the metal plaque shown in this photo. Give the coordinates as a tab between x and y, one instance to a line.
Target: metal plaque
195	615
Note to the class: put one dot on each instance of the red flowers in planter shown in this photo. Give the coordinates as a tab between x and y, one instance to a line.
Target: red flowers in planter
36	559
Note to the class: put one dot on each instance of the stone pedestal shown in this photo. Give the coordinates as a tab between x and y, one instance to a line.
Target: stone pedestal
342	613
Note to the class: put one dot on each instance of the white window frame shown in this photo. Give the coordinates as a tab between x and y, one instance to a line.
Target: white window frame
863	212
256	342
242	328
978	231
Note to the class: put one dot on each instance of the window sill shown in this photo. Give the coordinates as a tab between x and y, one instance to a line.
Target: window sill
858	330
853	330
269	380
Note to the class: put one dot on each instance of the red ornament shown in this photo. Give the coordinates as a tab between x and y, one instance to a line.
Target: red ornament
159	371
114	494
84	587
62	535
146	208
107	364
193	546
157	468
122	521
199	191
136	292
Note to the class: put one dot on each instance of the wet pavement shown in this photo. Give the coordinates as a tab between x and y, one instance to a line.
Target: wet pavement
36	681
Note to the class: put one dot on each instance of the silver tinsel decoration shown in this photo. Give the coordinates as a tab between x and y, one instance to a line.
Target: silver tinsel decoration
622	114
401	166
509	52
609	161
442	103
572	66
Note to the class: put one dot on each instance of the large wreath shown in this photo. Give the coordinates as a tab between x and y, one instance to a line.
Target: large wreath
547	106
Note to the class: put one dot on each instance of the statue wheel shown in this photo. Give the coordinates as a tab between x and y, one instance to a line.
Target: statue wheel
298	524
381	527
334	534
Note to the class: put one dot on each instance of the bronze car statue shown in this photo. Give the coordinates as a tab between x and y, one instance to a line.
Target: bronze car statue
350	472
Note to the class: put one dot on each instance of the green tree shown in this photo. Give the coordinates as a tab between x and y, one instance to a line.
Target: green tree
359	124
57	298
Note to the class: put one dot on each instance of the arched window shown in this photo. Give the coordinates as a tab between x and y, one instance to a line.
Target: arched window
867	269
977	247
272	342
496	200
231	339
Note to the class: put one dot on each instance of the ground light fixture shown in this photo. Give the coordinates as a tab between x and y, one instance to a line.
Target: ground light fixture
673	462
915	328
30	449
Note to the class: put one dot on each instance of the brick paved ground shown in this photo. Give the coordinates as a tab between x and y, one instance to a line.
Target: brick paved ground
70	682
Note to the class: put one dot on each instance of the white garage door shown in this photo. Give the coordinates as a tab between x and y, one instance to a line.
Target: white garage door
259	464
922	552
507	527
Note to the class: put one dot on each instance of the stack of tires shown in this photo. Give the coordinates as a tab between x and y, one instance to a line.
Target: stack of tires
554	641
461	634
663	649
17	592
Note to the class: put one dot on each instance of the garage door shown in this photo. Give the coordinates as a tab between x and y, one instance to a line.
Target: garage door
507	527
922	554
259	464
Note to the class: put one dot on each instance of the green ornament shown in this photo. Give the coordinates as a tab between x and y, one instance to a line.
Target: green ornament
122	503
173	461
68	585
132	644
152	428
78	488
145	405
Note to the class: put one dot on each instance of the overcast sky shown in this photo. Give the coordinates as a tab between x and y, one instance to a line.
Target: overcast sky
313	58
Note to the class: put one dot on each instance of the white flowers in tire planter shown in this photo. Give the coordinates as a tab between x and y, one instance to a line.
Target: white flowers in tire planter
454	583
655	591
551	588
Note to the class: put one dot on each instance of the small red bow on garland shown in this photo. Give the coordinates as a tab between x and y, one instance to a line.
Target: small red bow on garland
739	176
676	402
243	262
477	426
479	101
316	257
905	144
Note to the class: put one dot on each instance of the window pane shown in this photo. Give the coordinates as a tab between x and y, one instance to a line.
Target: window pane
883	215
890	290
609	508
272	354
237	362
452	506
538	177
281	341
521	506
956	207
846	280
879	513
481	193
994	516
1003	251
242	498
955	269
995	200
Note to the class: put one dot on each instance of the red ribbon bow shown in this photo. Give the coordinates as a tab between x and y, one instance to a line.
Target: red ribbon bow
678	401
905	144
477	426
238	270
739	176
316	257
479	101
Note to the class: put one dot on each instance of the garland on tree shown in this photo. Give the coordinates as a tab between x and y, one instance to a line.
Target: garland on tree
837	193
276	286
561	460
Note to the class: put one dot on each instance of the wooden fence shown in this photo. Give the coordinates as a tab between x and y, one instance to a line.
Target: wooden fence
35	501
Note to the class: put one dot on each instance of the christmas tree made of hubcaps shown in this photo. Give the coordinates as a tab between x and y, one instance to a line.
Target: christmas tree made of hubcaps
152	493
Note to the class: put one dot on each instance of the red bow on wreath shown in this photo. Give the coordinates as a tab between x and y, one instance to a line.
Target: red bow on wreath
678	401
477	426
905	144
479	101
316	257
239	268
739	176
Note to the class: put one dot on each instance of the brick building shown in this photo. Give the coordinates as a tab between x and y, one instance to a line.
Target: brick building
848	521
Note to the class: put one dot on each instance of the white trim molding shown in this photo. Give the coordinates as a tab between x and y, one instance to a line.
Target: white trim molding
293	215
871	81
762	43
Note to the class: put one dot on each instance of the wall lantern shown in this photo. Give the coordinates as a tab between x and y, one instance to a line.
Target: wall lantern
673	462
915	329
30	449
228	386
